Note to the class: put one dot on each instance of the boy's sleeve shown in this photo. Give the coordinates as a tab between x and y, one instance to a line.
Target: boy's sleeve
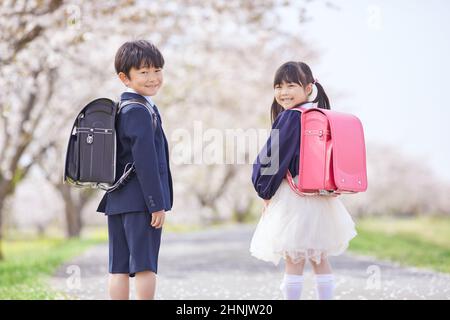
138	128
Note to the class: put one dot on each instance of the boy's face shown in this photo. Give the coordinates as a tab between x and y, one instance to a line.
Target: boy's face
146	80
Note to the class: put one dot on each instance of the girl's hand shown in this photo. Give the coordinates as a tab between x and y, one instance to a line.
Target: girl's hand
266	204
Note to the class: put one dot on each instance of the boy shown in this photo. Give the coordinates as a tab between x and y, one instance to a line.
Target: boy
136	211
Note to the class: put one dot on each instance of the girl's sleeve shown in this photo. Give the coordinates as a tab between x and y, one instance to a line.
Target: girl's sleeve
270	167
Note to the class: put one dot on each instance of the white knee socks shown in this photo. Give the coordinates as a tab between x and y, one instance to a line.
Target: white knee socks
325	286
291	286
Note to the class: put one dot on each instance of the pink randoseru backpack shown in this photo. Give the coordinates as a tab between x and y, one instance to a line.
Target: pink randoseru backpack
332	154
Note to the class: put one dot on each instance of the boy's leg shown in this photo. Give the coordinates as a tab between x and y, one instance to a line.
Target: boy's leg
143	242
145	285
119	287
119	256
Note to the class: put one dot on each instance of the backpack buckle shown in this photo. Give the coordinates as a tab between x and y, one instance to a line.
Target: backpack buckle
90	138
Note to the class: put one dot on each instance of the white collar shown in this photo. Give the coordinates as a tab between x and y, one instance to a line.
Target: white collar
308	105
149	99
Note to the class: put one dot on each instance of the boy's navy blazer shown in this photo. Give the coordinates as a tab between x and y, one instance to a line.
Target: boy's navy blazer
150	188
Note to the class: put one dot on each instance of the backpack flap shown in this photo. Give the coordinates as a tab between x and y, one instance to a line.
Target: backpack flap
349	152
71	168
96	135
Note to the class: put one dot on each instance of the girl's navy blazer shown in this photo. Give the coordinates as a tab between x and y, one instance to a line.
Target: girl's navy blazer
288	125
150	189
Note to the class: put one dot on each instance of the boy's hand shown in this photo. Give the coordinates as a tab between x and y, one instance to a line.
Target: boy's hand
158	219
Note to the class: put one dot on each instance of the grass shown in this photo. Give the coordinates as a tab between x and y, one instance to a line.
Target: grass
421	242
28	263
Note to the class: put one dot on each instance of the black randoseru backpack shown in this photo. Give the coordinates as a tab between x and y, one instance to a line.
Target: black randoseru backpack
91	151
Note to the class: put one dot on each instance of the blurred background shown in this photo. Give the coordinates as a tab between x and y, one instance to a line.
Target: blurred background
384	61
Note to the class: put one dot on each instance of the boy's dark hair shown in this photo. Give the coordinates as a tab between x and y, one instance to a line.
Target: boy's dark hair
298	72
137	54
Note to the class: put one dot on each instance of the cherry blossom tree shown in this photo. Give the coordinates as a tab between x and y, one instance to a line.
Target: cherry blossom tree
53	58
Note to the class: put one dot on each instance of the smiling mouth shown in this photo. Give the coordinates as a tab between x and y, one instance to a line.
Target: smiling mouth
286	100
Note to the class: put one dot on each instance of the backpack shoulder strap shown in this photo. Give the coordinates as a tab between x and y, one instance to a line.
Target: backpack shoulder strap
130	167
143	103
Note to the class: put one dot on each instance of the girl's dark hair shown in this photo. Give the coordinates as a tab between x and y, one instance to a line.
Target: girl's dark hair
137	54
298	72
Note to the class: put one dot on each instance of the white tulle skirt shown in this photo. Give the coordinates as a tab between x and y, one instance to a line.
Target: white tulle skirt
308	227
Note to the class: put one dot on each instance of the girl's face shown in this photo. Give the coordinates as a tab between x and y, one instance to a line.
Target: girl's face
289	94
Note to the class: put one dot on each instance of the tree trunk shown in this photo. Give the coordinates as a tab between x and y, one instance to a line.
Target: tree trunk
241	214
3	195
72	213
1	230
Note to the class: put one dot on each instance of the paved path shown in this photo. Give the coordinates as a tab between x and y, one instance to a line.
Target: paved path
216	264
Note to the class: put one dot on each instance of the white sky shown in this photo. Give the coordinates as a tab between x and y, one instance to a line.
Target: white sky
391	60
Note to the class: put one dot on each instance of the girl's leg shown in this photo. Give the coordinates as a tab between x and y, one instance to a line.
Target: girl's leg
323	267
324	279
145	285
294	268
292	283
119	286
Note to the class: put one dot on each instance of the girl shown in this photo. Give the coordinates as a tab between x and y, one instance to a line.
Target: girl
296	228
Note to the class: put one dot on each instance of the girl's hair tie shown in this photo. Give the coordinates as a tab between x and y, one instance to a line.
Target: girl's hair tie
314	92
315	80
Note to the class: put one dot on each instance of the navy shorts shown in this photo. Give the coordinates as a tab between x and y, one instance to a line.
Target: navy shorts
133	243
